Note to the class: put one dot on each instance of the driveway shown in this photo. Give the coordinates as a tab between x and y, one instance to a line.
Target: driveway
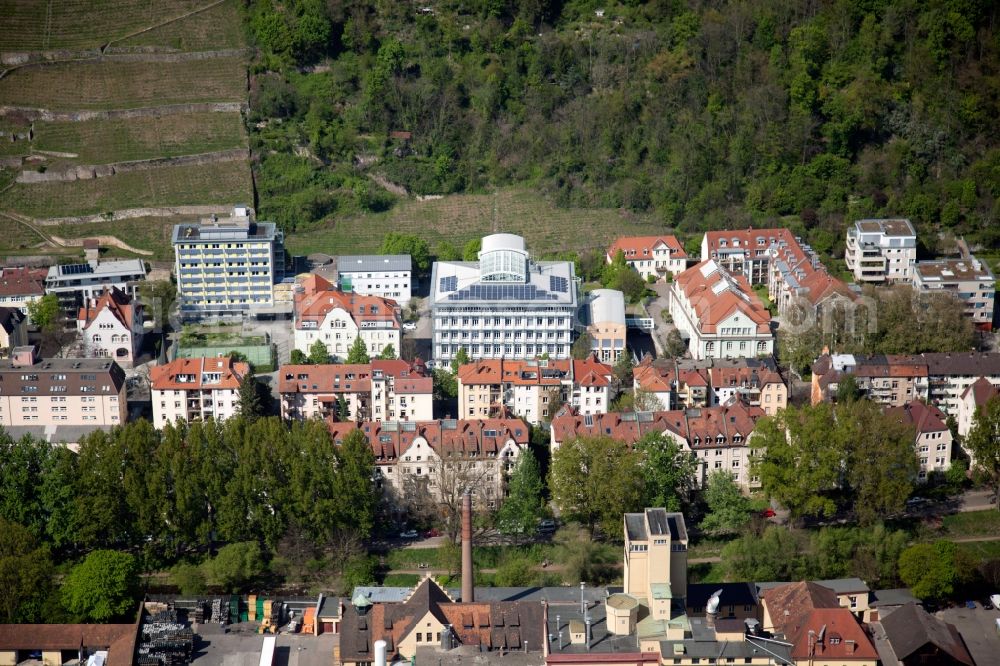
978	630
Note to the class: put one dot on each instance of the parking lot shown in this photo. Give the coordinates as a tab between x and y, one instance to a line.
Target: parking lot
978	629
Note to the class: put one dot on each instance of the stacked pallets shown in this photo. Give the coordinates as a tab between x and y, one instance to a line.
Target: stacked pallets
164	641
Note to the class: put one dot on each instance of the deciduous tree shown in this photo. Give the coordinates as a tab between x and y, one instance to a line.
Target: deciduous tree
983	441
668	471
729	510
358	353
103	587
523	506
319	354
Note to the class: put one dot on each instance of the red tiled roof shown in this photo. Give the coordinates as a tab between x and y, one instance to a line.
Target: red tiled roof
924	418
982	390
709	427
828	634
748	238
315	297
351	378
740	375
116	301
637	247
714	294
118	639
587	372
165	377
446	438
22	281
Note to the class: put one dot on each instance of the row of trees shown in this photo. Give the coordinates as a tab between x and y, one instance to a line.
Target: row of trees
189	486
319	354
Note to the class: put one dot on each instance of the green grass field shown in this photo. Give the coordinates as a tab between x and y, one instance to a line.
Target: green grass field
123	139
144	233
460	218
973	523
36	25
216	28
125	85
166	186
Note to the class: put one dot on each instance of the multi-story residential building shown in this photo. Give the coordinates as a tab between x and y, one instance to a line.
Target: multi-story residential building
606	325
383	390
969	280
227	268
719	437
337	319
745	251
650	255
21	285
111	325
388	276
487	389
75	284
881	250
686	383
719	314
797	280
13	330
59	392
503	306
442	458
933	438
196	389
937	378
972	399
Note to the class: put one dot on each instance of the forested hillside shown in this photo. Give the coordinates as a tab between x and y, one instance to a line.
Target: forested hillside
703	115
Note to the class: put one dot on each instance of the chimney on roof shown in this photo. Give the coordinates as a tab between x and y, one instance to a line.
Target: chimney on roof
468	591
851	646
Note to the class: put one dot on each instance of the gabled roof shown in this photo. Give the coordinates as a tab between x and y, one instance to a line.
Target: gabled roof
742	239
586	372
924	418
315	298
909	628
493	624
352	378
22	281
714	294
115	301
185	374
637	247
447	438
811	618
118	639
981	391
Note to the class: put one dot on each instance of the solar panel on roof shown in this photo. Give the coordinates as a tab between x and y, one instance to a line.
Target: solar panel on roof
559	284
501	292
76	269
449	283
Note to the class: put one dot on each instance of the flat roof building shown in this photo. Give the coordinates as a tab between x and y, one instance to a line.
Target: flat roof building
227	268
969	280
881	250
76	284
388	276
503	306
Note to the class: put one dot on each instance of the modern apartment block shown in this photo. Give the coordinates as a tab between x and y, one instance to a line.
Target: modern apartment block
336	319
490	388
21	285
655	256
76	284
685	383
383	390
881	251
60	391
196	389
606	325
969	280
719	437
719	314
111	326
933	440
416	459
503	306
940	379
745	252
388	276
227	268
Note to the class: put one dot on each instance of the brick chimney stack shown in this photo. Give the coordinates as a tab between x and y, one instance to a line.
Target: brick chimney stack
468	591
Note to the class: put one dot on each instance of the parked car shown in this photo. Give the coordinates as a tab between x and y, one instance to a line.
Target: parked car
547	525
409	534
410	326
916	501
971	605
431	533
995	600
767	513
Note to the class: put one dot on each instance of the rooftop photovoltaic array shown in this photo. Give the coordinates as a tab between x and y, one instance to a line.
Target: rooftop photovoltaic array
559	284
449	283
502	292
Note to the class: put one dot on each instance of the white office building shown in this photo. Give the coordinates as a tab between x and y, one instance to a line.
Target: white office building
76	284
503	306
227	268
881	251
388	276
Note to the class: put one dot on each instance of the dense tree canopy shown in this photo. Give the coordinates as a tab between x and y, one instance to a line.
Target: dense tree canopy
102	587
703	115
